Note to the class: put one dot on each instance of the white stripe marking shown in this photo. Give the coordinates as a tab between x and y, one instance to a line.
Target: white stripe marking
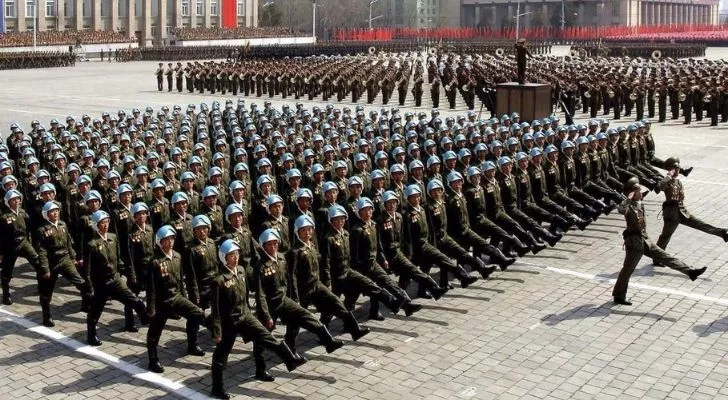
176	388
611	281
534	326
409	339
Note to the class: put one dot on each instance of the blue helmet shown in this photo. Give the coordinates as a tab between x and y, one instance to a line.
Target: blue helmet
567	144
201	220
139	207
164	232
272	199
503	161
159	184
550	149
389	195
432	185
226	248
48	207
363	203
329	186
92	195
453	176
302	222
233	209
47	187
521	155
337	211
210	191
12	194
269	235
488	166
178	197
97	217
124	188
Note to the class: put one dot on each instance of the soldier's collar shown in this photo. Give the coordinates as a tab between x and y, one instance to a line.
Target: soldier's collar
142	227
170	255
273	258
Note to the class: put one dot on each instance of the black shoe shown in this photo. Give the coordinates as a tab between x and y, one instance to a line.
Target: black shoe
583	223
725	235
7	300
424	294
554	239
536	248
506	262
411	308
467	281
333	345
48	322
437	293
264	376
486	271
295	363
195	351
131	328
219	393
377	317
93	340
155	366
609	208
695	273
359	333
623	302
686	171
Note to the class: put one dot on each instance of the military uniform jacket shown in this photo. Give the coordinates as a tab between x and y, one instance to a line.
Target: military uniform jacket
166	281
523	184
365	246
493	202
281	225
271	279
674	196
141	246
437	218
54	244
635	235
552	177
391	234
159	212
457	214
183	226
249	247
335	256
475	200
230	300
508	191
202	257
102	261
582	168
305	271
417	228
14	227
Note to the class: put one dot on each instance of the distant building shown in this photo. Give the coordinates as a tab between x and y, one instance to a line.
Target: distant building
499	13
422	13
141	18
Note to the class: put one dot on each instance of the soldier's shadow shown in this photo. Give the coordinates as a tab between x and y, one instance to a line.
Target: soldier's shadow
644	270
597	311
96	379
717	326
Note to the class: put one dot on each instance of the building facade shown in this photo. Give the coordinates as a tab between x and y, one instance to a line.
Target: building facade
150	21
500	13
421	13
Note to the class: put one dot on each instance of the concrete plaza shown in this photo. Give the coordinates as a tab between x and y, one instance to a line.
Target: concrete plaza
546	328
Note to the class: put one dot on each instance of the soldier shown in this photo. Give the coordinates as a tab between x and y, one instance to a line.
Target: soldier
165	297
14	226
56	257
637	244
179	73
102	269
201	256
160	77
522	53
306	284
674	212
368	257
272	301
232	317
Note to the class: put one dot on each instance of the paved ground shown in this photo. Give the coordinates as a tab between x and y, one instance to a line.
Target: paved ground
544	329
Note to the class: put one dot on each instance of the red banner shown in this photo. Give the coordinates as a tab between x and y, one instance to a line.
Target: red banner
229	13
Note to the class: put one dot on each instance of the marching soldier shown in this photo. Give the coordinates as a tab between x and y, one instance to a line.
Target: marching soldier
14	226
160	77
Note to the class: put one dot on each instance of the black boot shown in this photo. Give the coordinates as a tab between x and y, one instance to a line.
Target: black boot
91	337
422	292
559	224
374	309
352	326
465	278
45	305
536	246
521	248
394	304
292	362
154	364
550	238
411	308
218	391
328	341
686	171
7	300
192	348
433	287
581	223
695	273
141	311
483	269
261	373
129	325
499	258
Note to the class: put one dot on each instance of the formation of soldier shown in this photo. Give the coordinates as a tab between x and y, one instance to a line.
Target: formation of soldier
45	59
198	207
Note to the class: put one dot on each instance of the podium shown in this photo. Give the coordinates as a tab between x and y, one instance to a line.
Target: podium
531	100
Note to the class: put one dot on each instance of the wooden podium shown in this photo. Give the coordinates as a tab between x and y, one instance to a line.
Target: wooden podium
531	100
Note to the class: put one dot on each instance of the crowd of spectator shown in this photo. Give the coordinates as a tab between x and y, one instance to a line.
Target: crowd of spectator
54	38
240	32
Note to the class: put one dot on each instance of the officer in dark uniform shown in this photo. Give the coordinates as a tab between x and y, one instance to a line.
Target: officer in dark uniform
674	212
232	316
522	54
14	227
272	301
637	244
160	77
141	251
165	297
102	269
179	73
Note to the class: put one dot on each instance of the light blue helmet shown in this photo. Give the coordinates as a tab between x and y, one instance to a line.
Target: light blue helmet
520	156
473	171
304	193
316	168
336	211
12	194
389	195
329	186
432	185
83	179
567	144
432	160
269	235
201	220
449	155
214	171
272	199
164	232
139	207
363	203
293	173
535	152
355	180
178	197
235	185
92	195
124	188
48	207
263	179
551	149
210	191
47	187
159	183
504	160
226	248
302	222
141	170
187	175
488	166
376	174
581	140
97	217
453	176
233	209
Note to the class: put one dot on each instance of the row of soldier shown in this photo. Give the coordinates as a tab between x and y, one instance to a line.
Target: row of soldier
27	59
333	209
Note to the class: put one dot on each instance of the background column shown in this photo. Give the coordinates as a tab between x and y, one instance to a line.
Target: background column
207	13
147	24
114	15
96	9
131	18
41	10
79	14
60	17
162	22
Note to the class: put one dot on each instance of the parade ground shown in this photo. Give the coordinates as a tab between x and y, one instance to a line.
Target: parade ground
546	328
